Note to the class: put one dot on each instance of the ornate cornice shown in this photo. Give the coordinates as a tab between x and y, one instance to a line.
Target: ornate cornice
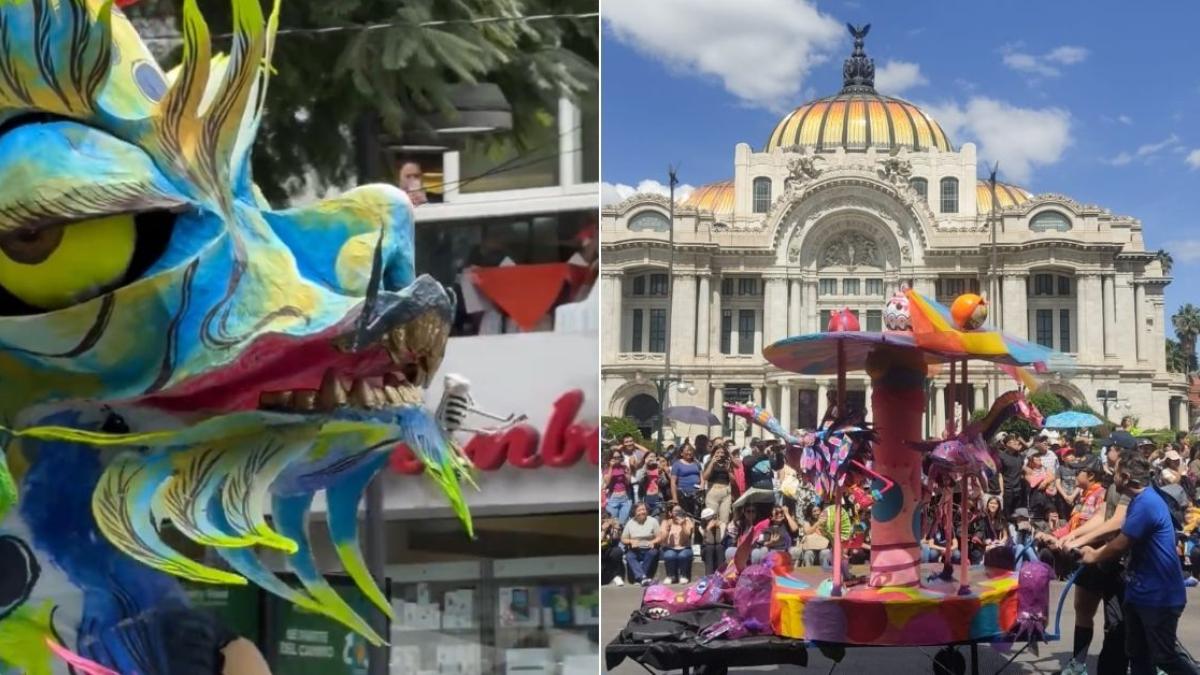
643	199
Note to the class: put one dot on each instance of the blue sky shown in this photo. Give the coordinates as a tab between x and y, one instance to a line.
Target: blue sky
1088	99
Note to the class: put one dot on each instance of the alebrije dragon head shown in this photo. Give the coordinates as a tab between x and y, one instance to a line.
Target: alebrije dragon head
170	345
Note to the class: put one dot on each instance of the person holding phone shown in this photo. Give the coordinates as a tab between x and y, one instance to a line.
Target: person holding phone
618	499
641	536
676	539
718	477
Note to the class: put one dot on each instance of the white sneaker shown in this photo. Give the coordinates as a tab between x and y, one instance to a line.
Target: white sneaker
647	581
683	580
618	581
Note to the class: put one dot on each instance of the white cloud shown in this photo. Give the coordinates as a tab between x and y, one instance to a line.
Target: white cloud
1045	65
897	76
1185	251
761	50
1019	138
611	193
1125	119
1145	151
1193	159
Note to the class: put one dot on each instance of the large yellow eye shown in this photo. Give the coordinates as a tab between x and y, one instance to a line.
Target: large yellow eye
61	265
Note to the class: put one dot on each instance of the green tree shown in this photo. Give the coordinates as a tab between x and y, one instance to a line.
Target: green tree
615	428
1177	361
1187	328
402	72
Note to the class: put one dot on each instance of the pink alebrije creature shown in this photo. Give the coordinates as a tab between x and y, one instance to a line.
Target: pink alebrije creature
842	320
1033	601
897	316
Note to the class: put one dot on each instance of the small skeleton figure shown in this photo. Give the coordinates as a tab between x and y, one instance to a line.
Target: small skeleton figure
457	404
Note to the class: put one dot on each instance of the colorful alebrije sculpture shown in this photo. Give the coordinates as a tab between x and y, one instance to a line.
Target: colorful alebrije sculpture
843	320
969	311
896	315
171	347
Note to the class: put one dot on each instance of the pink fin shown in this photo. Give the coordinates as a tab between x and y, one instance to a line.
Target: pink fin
85	666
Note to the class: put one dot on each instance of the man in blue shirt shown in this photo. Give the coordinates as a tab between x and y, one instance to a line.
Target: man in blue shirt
1154	591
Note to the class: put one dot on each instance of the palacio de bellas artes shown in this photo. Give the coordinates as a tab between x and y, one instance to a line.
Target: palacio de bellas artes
847	199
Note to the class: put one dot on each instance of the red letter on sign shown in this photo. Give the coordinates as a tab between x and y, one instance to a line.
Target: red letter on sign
521	441
563	443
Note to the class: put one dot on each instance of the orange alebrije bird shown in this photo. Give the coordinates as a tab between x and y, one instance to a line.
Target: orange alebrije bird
969	311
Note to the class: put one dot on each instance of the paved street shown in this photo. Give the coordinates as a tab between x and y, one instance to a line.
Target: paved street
618	603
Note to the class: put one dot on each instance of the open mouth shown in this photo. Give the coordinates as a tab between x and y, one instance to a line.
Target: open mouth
323	372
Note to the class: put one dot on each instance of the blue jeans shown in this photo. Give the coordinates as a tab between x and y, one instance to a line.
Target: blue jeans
618	506
642	562
678	561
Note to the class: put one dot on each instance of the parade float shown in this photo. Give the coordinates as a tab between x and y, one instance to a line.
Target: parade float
174	349
913	486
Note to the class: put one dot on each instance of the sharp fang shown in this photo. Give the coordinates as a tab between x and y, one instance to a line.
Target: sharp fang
362	396
409	394
331	394
393	394
305	399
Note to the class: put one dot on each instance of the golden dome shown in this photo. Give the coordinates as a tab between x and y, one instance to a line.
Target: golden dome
1006	195
856	121
716	197
858	117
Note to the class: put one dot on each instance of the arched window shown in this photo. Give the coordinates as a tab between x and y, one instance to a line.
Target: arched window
920	186
762	194
949	195
1050	220
649	220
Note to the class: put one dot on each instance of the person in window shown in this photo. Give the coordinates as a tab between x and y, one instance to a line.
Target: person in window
411	180
718	480
675	537
640	537
712	541
685	480
611	551
618	489
1154	593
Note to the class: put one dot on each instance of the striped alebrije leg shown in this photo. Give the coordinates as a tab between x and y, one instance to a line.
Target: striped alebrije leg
189	496
342	505
244	493
121	506
290	513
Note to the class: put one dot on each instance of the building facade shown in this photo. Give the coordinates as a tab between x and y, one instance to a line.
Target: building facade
852	196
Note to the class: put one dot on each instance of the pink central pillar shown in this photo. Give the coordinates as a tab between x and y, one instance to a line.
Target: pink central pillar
898	401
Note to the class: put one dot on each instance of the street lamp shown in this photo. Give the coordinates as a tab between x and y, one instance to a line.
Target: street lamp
663	386
1105	396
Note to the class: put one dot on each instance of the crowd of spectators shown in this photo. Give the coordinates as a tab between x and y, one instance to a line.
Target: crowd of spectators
693	500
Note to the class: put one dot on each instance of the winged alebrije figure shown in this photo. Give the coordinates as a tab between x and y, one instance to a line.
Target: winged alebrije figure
173	348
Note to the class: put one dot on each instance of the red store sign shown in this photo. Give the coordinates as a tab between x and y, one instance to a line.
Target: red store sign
562	445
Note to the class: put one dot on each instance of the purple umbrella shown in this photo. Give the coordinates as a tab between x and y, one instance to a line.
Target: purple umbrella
690	414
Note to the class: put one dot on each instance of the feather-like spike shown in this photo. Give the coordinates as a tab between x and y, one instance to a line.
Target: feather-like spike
244	492
189	494
120	503
290	513
76	662
342	510
179	110
223	118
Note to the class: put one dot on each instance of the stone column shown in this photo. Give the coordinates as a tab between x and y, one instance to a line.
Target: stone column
610	299
980	396
1141	335
718	406
794	308
775	307
683	317
822	396
785	405
1016	314
1126	323
811	314
1110	303
1158	351
703	320
1088	305
925	286
714	331
937	410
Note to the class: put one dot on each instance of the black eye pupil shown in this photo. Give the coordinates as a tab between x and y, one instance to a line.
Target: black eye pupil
114	424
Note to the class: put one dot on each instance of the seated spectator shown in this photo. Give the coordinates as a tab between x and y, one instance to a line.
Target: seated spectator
830	529
618	490
640	537
675	538
1041	482
612	567
787	531
712	541
653	483
1021	534
990	529
812	542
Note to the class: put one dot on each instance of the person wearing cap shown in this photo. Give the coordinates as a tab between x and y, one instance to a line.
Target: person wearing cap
1041	448
1101	583
712	541
1021	535
1154	593
1068	493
